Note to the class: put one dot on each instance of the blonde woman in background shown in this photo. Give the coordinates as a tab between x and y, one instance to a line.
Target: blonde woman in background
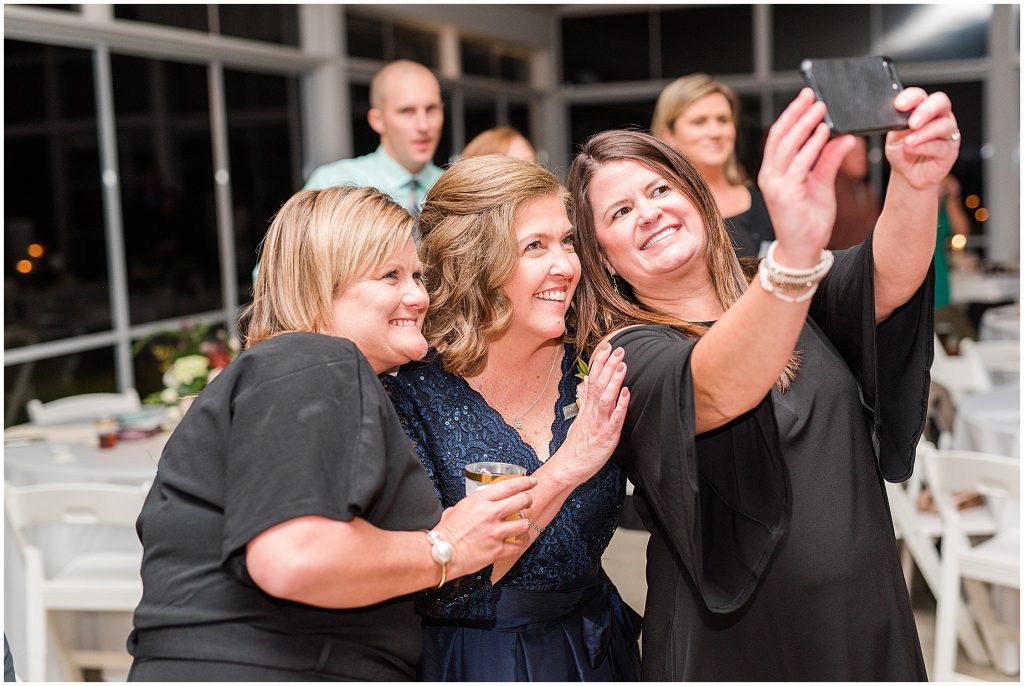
287	523
498	246
698	117
503	140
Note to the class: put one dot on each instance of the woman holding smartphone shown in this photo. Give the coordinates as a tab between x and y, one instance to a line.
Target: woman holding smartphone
764	415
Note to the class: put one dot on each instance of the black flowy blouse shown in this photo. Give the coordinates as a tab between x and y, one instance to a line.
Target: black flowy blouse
772	549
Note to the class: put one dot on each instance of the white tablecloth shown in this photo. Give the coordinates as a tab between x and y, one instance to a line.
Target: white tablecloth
976	287
1000	323
69	453
990	422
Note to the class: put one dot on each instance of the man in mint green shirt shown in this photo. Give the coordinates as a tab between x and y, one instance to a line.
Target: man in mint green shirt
407	112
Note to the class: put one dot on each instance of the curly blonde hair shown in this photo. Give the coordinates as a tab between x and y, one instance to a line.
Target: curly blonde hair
317	244
469	252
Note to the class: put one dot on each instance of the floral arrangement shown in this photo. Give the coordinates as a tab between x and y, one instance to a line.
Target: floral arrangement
189	359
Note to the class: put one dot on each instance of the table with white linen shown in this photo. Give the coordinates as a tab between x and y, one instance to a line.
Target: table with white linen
990	422
1000	323
62	454
979	287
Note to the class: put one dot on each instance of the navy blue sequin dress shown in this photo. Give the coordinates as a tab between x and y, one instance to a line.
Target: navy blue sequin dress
554	616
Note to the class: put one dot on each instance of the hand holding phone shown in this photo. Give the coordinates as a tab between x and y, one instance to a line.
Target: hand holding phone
858	93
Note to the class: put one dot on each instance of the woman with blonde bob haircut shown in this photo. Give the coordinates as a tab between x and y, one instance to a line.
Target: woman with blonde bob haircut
290	519
501	268
699	116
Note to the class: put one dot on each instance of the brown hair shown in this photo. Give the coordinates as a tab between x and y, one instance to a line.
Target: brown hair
604	303
493	142
469	252
679	95
318	242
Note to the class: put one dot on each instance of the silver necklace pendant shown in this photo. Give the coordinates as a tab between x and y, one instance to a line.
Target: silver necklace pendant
518	423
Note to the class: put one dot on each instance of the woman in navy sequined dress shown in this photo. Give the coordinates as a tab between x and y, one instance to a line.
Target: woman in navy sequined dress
500	386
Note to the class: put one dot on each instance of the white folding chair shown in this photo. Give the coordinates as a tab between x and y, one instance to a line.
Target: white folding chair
993	561
919	531
80	407
93	581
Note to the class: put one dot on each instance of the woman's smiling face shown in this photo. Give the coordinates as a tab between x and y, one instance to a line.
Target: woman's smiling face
548	270
382	311
646	228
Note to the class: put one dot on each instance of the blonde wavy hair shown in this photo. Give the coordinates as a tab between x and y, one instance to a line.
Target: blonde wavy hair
317	244
679	95
469	252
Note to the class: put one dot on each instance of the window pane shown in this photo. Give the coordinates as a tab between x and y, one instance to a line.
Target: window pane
55	271
415	45
969	168
181	16
444	153
919	33
476	58
586	120
519	119
749	136
364	139
265	144
605	48
365	37
91	371
480	116
835	30
270	23
514	68
167	189
688	46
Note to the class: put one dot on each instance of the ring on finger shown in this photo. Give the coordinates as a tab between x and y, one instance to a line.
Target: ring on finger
955	136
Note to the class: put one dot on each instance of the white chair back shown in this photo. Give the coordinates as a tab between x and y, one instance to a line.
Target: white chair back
82	407
995	560
91	581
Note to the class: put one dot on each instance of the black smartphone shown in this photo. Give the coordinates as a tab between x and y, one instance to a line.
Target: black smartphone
858	93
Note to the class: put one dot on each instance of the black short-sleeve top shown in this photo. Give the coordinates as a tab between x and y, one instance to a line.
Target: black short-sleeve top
298	425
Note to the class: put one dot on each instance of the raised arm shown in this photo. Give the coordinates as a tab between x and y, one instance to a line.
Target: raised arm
739	359
920	157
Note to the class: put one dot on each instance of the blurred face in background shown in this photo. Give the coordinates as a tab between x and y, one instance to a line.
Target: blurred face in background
519	147
409	115
705	132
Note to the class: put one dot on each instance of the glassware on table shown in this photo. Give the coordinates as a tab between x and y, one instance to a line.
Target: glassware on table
106	431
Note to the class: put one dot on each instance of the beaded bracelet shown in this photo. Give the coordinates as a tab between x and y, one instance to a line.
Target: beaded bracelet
538	528
776	278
